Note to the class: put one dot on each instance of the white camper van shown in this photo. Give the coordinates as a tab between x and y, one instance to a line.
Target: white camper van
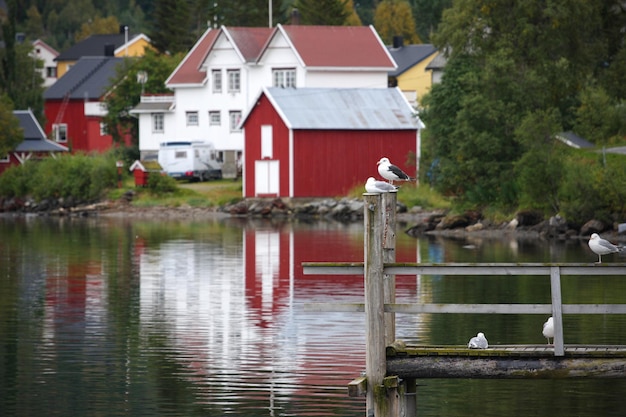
194	160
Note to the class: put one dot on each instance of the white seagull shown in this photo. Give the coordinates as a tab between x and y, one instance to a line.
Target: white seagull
548	329
373	186
390	172
602	247
478	342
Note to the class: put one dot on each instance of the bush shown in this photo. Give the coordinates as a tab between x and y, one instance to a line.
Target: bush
14	182
161	184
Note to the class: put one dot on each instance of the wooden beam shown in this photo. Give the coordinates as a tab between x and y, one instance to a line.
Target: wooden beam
557	310
505	367
471	308
357	387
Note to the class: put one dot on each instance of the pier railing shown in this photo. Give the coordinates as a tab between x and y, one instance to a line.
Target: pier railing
379	270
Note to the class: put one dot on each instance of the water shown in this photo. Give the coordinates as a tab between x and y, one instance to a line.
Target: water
180	318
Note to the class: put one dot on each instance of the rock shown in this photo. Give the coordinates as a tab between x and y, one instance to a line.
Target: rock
528	217
474	227
512	225
453	222
593	226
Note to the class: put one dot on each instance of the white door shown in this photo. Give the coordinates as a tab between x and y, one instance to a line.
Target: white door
266	177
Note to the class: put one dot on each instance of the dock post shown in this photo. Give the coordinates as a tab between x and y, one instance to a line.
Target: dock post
375	355
389	255
557	310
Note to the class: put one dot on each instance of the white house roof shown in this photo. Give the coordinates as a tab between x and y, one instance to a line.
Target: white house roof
342	108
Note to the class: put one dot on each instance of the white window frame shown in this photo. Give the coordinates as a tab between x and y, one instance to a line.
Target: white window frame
158	122
234	80
103	129
215	118
5	159
216	77
59	132
284	77
267	141
234	117
192	118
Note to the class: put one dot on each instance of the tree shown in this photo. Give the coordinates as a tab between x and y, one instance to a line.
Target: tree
251	13
323	12
99	25
11	134
427	15
127	91
172	31
394	18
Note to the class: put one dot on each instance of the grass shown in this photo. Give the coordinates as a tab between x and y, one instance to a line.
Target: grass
413	195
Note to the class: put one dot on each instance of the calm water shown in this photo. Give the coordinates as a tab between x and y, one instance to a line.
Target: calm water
136	318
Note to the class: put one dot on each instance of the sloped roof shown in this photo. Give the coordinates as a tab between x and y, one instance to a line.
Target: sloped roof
89	78
41	43
338	46
342	108
189	71
94	46
316	46
34	137
408	56
573	140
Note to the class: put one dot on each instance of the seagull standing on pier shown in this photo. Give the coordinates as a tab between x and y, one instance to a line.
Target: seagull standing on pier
602	246
373	186
390	172
478	342
548	329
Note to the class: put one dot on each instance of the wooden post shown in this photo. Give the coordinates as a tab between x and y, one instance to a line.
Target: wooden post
557	310
389	255
375	355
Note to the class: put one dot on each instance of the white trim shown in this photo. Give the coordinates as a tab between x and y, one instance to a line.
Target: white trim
189	54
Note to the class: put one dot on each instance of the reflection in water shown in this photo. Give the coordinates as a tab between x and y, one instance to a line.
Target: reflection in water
103	317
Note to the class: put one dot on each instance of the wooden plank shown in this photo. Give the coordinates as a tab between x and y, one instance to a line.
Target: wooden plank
470	308
389	256
557	311
549	367
357	387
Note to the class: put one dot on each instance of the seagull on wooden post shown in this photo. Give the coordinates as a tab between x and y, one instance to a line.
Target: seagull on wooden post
373	186
548	329
478	342
391	172
601	246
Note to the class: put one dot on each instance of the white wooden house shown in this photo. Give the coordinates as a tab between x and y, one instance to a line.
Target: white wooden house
224	72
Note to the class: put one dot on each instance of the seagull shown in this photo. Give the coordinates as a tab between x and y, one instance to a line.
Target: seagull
478	342
373	186
390	172
602	247
548	329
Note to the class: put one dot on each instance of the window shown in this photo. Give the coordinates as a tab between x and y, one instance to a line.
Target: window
215	118
180	154
157	122
59	132
217	80
235	118
234	81
5	159
103	129
192	118
51	72
267	146
285	77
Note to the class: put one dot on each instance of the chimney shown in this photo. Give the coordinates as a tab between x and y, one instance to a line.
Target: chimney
295	17
398	42
123	29
109	49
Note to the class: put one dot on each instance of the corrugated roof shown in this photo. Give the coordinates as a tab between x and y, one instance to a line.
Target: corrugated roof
89	78
152	107
343	109
339	46
34	137
408	56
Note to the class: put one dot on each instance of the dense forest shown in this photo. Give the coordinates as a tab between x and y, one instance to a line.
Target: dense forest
517	73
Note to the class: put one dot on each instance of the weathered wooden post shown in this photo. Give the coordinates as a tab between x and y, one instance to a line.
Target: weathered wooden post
389	255
375	355
557	310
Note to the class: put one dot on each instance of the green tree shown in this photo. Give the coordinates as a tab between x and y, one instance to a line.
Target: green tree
427	15
99	25
127	92
172	31
251	13
394	18
11	134
323	12
34	23
598	118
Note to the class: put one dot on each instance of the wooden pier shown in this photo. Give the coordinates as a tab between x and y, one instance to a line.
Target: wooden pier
392	368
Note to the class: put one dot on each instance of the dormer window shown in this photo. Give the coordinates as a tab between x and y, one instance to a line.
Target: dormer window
284	77
234	81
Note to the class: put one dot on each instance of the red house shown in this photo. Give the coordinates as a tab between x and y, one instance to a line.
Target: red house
34	146
322	142
73	105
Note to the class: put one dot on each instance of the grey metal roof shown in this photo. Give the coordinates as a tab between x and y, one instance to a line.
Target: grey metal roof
573	140
438	62
34	137
408	56
92	46
89	78
347	109
163	106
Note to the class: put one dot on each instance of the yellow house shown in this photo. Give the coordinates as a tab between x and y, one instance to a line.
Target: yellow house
118	45
411	76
